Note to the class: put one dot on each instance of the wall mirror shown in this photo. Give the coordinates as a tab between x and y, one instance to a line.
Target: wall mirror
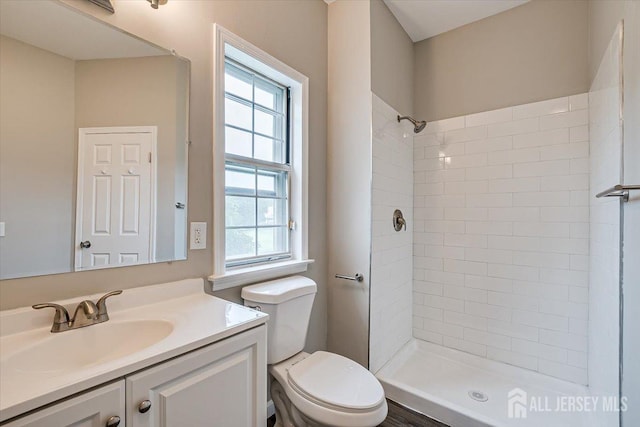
93	144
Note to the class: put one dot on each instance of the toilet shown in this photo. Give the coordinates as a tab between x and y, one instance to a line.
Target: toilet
318	389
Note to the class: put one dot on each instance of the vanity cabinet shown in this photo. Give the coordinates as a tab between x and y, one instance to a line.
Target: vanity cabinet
223	384
91	409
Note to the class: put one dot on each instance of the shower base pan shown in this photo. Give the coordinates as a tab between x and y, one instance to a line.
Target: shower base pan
460	389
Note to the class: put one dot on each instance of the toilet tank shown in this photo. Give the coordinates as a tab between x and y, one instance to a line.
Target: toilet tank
288	303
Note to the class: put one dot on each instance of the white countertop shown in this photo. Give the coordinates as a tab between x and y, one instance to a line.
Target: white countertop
198	319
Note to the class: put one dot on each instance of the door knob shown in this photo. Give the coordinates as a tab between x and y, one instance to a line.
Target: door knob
144	406
85	245
113	421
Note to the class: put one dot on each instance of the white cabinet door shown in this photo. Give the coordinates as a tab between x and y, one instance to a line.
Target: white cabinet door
221	385
91	409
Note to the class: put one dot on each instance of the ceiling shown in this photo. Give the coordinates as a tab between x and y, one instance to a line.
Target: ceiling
422	19
54	27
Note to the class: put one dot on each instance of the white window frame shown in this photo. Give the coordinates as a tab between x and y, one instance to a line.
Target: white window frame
227	44
262	167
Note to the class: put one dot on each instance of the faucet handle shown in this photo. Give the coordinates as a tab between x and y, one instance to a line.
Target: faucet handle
59	319
102	304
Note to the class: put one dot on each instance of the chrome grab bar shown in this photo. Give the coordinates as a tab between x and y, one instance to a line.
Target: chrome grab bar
618	191
357	278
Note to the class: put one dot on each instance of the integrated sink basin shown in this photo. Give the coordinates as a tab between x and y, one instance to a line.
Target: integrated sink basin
146	326
88	346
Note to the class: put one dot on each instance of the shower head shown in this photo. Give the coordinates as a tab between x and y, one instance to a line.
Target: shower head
418	126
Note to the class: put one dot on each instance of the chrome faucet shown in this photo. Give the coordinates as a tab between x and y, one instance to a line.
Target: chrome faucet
87	313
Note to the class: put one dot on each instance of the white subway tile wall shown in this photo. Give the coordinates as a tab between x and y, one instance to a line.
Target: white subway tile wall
604	291
501	235
391	252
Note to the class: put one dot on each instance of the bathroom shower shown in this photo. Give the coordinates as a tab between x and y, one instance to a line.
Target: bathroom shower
418	126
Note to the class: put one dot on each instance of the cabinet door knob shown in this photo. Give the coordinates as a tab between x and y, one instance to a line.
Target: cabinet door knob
144	406
113	421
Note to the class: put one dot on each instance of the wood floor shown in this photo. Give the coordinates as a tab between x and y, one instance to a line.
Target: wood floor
398	416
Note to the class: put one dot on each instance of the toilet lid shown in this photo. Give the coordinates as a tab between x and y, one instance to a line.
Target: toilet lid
337	381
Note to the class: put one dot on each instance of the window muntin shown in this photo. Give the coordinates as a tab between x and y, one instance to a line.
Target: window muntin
257	171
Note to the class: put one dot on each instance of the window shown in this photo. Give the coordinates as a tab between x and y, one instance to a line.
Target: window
260	165
256	167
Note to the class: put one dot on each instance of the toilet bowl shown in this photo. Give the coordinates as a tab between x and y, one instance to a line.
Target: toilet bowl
328	390
318	389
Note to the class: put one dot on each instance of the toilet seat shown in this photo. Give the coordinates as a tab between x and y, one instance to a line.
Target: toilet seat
321	403
336	382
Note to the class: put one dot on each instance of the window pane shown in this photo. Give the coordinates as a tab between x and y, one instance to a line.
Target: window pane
239	180
272	240
237	114
240	243
237	142
272	183
267	185
266	99
272	212
267	124
269	95
240	211
238	82
269	149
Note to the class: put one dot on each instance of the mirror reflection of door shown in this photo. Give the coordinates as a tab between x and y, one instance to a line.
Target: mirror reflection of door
115	211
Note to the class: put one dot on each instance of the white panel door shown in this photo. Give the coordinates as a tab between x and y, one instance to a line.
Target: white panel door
222	385
93	409
115	212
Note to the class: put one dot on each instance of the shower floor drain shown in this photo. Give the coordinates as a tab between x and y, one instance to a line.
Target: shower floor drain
478	395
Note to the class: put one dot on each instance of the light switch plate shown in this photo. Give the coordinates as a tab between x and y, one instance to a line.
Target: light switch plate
198	239
2	229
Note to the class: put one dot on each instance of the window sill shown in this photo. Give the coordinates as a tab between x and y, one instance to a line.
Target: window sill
244	276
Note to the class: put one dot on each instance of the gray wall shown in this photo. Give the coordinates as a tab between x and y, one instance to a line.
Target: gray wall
41	91
604	15
391	59
138	92
295	33
349	177
529	53
368	52
37	158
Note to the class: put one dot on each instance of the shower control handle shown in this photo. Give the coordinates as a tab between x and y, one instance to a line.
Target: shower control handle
398	220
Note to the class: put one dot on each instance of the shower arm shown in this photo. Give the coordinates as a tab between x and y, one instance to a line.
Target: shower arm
418	126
